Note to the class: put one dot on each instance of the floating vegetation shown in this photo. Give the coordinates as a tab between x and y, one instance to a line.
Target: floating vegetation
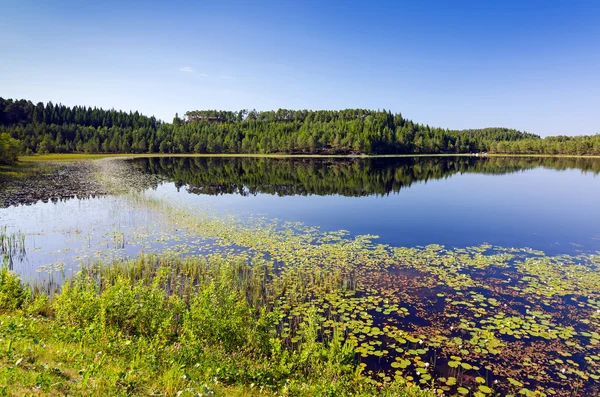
472	321
35	182
429	314
478	321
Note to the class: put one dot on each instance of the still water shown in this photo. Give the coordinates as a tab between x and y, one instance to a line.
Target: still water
464	309
544	204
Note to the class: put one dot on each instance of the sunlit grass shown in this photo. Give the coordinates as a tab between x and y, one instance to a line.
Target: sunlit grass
166	326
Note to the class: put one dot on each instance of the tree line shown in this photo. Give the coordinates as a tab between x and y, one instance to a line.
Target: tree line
55	128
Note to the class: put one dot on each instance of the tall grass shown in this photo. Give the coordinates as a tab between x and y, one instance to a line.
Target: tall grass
12	245
173	326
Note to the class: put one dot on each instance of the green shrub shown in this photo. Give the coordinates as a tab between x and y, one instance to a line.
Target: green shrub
140	310
77	304
40	305
9	149
13	294
218	315
117	306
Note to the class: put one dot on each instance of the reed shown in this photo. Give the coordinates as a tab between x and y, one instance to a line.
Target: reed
12	245
177	326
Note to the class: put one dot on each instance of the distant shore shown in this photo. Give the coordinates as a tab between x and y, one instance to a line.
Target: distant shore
81	156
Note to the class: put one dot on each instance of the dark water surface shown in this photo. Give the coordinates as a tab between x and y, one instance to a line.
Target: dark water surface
546	204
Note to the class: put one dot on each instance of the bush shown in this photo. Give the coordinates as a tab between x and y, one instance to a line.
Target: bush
77	304
140	310
13	293
220	316
9	149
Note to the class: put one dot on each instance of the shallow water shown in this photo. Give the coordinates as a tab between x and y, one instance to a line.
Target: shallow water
457	309
455	202
544	204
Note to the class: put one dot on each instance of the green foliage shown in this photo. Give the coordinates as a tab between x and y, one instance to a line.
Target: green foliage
552	145
218	315
135	328
13	294
40	305
9	149
53	128
59	129
77	305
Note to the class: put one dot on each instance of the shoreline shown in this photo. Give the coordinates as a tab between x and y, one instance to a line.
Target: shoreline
95	156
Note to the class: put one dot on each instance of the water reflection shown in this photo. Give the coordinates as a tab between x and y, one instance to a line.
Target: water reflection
543	203
333	176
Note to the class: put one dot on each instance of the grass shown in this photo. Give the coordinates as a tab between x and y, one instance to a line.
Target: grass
239	324
38	360
170	327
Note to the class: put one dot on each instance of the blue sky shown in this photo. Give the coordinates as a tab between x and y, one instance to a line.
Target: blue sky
530	65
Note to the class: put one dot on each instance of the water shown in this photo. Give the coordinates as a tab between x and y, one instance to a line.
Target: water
482	305
544	204
455	202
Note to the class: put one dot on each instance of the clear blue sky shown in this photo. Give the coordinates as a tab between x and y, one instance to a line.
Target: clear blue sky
530	65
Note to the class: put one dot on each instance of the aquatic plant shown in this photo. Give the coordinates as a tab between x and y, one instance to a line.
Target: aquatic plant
11	245
138	335
296	301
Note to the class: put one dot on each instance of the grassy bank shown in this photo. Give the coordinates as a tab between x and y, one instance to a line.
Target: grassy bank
166	326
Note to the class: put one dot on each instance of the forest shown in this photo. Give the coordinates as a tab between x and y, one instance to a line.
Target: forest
55	128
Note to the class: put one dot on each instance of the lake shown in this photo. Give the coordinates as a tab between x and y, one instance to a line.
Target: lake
483	268
547	204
